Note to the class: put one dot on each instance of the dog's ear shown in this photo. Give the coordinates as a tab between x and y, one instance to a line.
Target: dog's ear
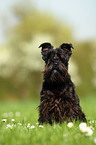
66	46
67	49
45	47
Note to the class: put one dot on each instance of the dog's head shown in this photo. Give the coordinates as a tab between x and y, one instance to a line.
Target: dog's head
56	61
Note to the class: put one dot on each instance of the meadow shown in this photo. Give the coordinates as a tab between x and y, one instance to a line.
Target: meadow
19	125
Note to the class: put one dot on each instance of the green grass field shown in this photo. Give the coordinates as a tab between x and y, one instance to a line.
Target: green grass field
21	127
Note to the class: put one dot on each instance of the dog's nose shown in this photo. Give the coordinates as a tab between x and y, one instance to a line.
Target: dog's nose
56	63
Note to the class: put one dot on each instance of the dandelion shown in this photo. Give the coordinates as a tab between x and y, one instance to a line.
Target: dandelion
12	120
83	127
70	124
4	120
89	131
41	126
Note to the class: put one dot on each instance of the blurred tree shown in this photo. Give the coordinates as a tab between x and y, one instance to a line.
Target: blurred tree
93	59
31	22
22	63
20	60
85	59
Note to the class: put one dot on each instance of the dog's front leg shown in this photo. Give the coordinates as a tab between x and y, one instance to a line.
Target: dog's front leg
44	116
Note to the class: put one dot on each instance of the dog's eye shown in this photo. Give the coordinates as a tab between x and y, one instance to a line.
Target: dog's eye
60	56
49	55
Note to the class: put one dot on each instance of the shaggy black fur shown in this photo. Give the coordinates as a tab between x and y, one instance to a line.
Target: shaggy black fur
58	99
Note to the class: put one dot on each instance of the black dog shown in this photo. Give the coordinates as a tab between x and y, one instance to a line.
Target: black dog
58	99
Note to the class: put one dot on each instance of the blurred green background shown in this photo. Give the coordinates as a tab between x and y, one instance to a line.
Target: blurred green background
24	25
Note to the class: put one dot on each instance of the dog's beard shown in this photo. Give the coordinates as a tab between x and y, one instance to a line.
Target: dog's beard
54	74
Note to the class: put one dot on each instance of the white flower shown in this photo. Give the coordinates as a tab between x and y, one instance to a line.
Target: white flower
37	123
41	126
32	127
89	131
92	127
28	126
83	127
19	123
10	126
92	121
95	140
70	124
4	120
13	120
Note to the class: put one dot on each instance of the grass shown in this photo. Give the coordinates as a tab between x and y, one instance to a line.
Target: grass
25	115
